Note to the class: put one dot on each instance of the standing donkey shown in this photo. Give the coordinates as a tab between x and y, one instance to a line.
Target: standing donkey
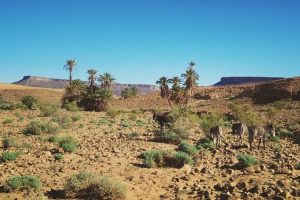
216	133
260	133
240	130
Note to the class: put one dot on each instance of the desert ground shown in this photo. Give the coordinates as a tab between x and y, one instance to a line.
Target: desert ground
111	145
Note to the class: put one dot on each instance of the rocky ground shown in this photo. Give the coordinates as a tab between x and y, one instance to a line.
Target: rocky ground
108	147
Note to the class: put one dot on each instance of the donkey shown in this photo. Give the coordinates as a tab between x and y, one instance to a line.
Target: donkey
240	130
216	133
163	119
260	133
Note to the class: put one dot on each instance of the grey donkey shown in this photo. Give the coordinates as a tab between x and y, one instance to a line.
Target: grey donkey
216	133
239	129
260	133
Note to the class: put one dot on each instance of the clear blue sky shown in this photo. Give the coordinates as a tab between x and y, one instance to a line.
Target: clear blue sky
140	40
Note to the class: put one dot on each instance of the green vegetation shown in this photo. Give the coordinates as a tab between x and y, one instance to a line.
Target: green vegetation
29	101
112	113
48	110
71	106
86	185
39	127
171	136
124	123
63	120
23	182
76	118
129	92
185	147
205	143
10	156
58	156
297	166
281	104
7	121
275	139
211	120
133	135
68	143
166	158
245	114
284	133
9	141
246	161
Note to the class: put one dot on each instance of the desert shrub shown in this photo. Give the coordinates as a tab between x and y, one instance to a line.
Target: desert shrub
39	127
23	182
129	92
6	106
284	133
48	110
274	138
171	136
211	120
179	159
76	118
89	186
71	106
124	123
272	111
20	118
132	116
281	104
78	182
68	143
7	121
19	106
53	138
133	135
63	120
10	156
154	157
58	156
184	146
193	118
246	161
245	114
112	113
29	101
80	126
297	166
140	122
205	143
9	142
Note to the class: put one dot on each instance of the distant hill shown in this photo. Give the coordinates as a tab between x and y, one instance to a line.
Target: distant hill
62	83
243	80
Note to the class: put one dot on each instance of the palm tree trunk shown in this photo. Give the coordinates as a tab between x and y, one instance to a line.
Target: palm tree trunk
70	77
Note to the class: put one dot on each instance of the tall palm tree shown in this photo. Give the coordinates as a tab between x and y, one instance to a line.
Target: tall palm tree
70	65
74	91
164	87
106	80
191	77
176	81
92	76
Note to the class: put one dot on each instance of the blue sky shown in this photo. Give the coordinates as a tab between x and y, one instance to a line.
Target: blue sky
140	40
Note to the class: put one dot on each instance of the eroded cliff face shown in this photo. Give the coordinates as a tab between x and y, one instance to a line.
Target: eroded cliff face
62	83
243	80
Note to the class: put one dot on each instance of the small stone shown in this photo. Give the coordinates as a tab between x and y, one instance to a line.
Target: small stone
186	169
250	170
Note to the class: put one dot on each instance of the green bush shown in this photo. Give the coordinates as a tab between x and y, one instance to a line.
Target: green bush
48	110
205	143
23	182
53	138
284	133
76	118
246	161
124	123
7	121
29	101
171	136
112	113
68	143
274	138
71	106
211	120
6	106
245	114
184	146
9	142
179	159
132	116
63	120
58	156
140	122
133	135
10	156
154	157
39	127
89	186
281	104
297	166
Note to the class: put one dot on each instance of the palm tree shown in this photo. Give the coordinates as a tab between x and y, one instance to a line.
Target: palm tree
70	65
191	77
92	76
74	91
164	87
176	81
106	80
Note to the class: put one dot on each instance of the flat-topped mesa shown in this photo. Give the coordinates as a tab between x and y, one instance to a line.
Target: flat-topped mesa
53	83
245	80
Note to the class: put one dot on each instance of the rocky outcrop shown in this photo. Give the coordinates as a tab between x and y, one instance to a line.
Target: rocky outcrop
243	80
281	89
62	83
